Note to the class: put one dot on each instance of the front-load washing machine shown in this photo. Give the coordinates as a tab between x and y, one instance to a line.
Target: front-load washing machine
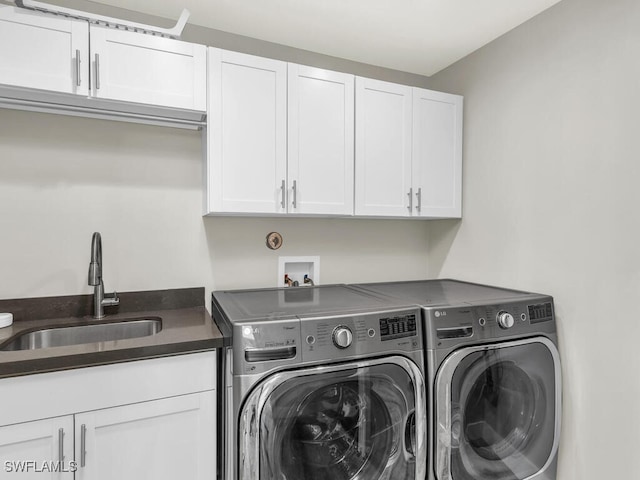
493	372
321	383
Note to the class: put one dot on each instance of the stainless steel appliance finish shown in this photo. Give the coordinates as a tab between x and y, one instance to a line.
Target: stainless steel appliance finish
494	372
321	383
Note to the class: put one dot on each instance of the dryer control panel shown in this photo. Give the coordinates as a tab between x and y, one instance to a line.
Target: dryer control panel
489	321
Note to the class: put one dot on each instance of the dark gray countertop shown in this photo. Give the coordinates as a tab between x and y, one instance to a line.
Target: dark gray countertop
187	327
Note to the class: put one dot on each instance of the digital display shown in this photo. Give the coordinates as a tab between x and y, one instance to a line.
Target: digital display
397	327
541	312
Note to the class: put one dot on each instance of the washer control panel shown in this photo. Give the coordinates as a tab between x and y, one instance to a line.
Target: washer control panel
397	327
540	312
371	333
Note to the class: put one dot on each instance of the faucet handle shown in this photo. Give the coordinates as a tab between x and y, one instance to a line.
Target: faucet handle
111	300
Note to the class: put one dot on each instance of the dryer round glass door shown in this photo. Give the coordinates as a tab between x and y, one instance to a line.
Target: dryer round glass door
350	422
498	411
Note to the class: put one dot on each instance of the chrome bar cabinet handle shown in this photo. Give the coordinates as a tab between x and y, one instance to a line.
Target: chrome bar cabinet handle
295	194
78	78
97	71
283	189
410	195
419	195
83	445
61	445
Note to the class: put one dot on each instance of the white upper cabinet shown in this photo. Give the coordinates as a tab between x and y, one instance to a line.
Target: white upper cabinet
280	137
408	151
148	69
290	139
320	141
43	51
383	148
247	134
57	54
437	154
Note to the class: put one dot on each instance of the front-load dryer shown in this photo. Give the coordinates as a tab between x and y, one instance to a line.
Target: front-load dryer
321	383
493	373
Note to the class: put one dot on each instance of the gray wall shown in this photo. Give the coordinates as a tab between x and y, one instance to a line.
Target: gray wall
551	177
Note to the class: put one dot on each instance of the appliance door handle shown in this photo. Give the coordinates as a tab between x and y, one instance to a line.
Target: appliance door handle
410	434
269	354
463	331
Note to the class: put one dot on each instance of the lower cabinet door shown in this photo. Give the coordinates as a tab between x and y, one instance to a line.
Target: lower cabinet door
162	439
42	449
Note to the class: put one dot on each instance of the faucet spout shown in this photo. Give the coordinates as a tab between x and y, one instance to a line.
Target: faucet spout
95	267
95	279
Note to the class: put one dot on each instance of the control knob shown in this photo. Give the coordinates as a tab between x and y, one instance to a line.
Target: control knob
505	320
342	336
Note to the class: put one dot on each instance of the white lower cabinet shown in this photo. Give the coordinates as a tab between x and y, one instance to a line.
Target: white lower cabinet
163	439
41	449
155	439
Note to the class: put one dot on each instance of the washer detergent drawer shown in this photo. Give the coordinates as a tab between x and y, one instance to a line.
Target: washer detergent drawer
498	409
354	421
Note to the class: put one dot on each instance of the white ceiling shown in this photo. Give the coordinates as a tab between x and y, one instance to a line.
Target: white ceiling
417	36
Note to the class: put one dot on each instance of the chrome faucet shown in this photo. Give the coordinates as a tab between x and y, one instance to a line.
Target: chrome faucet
95	279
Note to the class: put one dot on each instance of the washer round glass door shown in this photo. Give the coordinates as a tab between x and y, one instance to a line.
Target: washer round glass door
353	422
498	409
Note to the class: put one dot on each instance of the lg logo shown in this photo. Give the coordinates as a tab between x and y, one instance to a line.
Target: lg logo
440	313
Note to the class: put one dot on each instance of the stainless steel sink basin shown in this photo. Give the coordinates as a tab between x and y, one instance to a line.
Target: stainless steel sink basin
79	334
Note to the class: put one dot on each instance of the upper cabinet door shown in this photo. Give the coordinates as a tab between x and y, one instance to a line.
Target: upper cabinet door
320	125
383	148
44	52
437	154
247	134
131	67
